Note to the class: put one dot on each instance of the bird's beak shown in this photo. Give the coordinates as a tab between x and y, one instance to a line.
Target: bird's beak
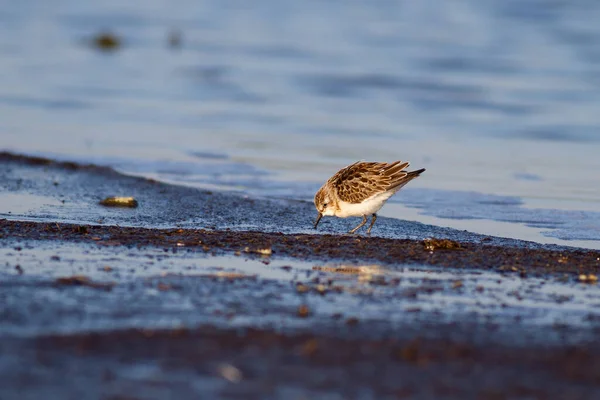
318	219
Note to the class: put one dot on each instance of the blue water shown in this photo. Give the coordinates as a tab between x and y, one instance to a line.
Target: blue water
497	99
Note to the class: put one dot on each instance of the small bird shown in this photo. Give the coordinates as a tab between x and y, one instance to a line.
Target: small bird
361	189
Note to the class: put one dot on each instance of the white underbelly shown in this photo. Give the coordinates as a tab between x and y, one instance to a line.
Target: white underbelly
367	207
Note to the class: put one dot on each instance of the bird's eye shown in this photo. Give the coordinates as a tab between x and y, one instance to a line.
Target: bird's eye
324	205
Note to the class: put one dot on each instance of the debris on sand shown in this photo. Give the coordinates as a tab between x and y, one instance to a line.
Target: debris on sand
81	280
263	252
441	244
348	269
165	287
302	288
125	202
81	229
303	311
457	284
232	275
309	347
589	278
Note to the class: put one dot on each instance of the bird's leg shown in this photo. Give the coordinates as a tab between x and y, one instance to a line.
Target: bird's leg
364	221
372	223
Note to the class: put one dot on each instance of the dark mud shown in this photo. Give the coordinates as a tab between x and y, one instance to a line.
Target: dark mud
196	294
320	247
258	364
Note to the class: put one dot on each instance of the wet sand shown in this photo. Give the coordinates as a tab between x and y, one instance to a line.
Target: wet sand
200	294
256	364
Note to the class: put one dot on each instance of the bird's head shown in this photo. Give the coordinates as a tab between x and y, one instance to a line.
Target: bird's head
324	203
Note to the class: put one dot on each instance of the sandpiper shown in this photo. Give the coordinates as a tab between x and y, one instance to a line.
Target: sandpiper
361	189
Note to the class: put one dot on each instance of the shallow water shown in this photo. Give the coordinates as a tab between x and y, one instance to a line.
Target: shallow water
497	99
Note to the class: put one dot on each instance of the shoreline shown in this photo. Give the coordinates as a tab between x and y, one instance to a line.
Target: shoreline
80	187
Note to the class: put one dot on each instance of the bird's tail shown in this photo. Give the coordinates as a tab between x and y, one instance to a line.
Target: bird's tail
414	174
407	178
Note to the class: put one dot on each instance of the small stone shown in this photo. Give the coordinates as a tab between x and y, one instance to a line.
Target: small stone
230	373
124	202
589	278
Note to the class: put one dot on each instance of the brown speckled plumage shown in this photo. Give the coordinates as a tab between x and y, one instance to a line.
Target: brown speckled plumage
361	180
361	189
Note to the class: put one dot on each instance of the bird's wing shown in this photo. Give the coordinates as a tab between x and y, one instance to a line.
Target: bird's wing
361	180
